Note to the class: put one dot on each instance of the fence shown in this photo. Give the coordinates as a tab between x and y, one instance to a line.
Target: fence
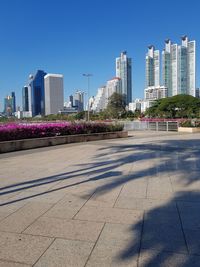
151	125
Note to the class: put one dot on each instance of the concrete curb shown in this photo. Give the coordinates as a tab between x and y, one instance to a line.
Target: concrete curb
15	145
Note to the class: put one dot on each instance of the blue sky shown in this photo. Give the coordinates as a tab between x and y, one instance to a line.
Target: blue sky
79	36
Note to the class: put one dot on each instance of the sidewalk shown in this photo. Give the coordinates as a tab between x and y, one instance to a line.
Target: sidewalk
124	202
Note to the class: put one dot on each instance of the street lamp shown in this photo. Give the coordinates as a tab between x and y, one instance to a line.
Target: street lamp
88	75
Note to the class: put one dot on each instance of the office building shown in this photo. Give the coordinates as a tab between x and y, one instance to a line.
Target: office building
152	67
10	104
112	86
54	93
37	93
155	92
179	67
78	100
99	100
124	72
25	98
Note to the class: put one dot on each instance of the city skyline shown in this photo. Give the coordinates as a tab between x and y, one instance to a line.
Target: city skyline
72	46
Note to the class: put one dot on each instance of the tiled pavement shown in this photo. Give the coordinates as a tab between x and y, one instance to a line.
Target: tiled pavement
126	202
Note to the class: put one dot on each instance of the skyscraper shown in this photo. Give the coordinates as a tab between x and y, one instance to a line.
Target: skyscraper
25	98
10	104
179	67
37	93
124	72
78	100
54	93
152	67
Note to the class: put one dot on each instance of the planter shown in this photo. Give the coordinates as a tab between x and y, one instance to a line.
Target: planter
189	129
15	145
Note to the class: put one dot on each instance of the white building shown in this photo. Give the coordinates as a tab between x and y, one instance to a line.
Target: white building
135	105
124	72
112	86
54	93
153	93
99	103
152	67
179	67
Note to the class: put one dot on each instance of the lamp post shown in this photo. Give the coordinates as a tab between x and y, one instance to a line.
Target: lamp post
88	75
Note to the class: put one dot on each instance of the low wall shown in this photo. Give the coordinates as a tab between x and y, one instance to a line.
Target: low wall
15	145
188	129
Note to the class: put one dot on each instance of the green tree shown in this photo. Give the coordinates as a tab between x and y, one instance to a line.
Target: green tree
179	106
116	106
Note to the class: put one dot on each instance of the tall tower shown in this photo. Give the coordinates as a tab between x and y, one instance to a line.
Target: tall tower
54	93
25	98
124	72
152	67
179	67
37	93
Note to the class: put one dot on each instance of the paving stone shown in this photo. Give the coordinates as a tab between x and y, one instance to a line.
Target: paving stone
69	253
163	238
154	258
67	207
12	264
104	200
69	229
190	215
144	204
135	188
105	255
21	219
112	215
22	248
193	241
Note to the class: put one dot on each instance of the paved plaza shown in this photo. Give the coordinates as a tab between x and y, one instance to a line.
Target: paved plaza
131	202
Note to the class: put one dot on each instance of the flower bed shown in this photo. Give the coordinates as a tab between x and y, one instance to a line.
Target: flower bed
14	131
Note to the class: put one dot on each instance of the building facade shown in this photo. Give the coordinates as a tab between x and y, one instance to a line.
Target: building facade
112	86
152	67
179	67
25	98
54	93
37	93
78	100
155	92
124	72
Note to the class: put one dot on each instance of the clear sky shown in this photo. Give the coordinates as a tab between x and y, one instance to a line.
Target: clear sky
72	37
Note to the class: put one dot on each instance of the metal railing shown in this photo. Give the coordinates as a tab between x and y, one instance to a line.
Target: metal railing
151	125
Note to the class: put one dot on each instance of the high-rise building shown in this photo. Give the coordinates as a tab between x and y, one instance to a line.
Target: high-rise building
100	100
152	67
179	67
54	93
124	72
25	98
78	100
13	102
37	93
10	104
112	86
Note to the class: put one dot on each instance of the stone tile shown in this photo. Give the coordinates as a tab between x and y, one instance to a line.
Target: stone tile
23	217
12	264
121	234
112	215
144	204
67	207
153	258
190	215
162	217
105	255
135	188
69	253
70	229
159	188
22	248
193	241
104	200
163	238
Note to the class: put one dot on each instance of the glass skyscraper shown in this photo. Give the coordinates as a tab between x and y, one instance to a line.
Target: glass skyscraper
37	93
25	98
179	67
124	72
152	67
